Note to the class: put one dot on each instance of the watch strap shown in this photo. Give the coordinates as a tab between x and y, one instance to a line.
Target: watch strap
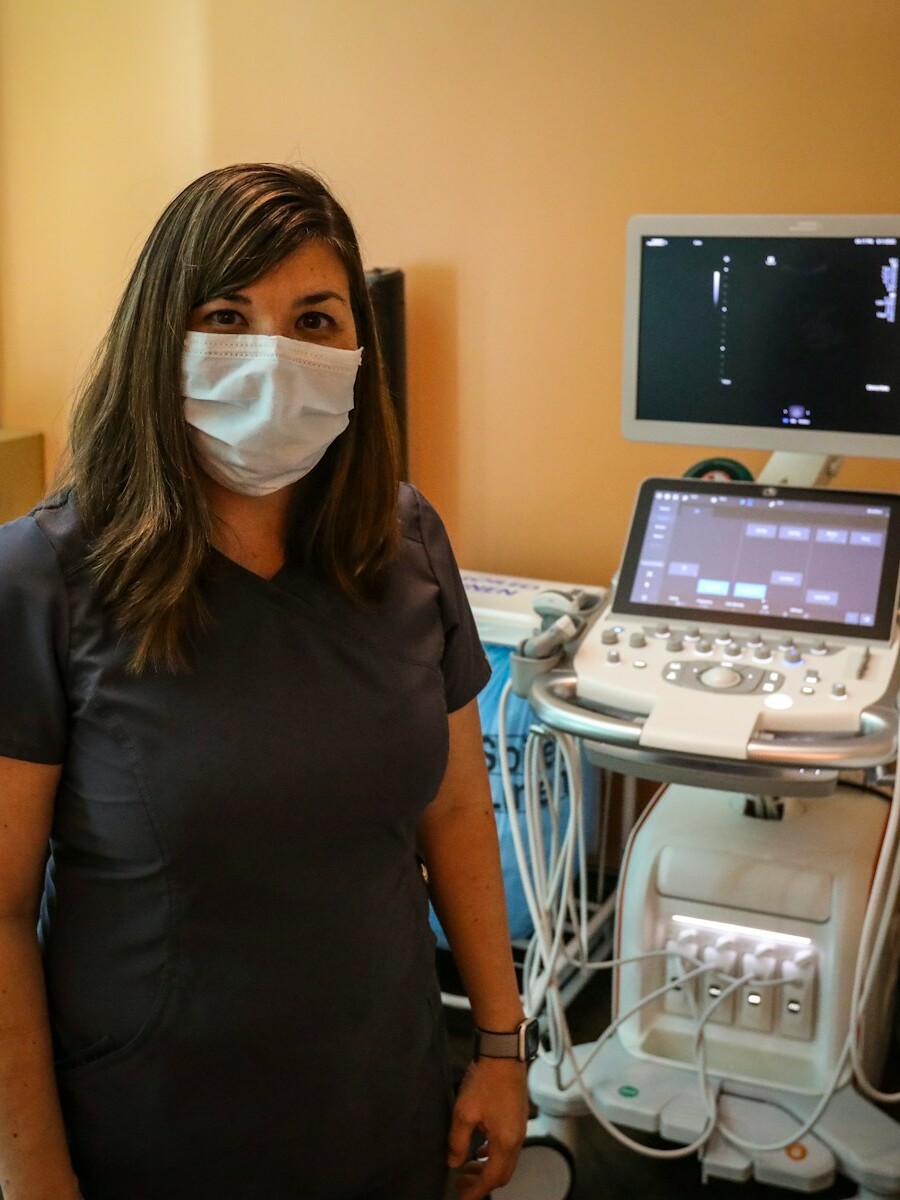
520	1043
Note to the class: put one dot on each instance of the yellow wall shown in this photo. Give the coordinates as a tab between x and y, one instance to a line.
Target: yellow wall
494	150
103	108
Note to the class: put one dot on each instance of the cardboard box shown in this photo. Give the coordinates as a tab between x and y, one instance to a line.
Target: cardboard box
21	472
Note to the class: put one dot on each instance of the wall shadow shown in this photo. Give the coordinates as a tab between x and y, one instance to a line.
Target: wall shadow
432	346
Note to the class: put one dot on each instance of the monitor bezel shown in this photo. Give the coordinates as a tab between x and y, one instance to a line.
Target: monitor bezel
753	437
881	631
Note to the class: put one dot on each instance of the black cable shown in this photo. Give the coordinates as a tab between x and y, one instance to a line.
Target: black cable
866	787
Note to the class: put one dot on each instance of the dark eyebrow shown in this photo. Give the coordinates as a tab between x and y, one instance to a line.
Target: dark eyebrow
300	302
318	298
231	297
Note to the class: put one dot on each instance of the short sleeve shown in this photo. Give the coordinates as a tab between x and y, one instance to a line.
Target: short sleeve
33	639
464	664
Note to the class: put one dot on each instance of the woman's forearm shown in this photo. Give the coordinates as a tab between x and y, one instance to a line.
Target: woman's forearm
34	1159
458	840
466	887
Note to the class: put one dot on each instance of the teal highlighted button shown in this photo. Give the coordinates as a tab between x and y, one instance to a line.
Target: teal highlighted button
629	1092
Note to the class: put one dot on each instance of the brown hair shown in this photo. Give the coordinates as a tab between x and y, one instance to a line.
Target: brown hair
130	462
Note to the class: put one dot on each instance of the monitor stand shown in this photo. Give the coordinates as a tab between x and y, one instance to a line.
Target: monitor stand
787	469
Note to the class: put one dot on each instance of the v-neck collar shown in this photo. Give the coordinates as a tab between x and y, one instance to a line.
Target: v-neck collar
233	565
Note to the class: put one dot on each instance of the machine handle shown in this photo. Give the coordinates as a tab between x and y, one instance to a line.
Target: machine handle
553	700
875	743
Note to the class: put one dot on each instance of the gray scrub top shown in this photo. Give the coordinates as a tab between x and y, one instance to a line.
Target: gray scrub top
239	965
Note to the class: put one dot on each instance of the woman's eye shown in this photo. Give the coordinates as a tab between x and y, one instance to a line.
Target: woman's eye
223	316
315	322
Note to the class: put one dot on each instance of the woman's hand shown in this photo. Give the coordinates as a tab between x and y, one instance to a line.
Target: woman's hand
493	1099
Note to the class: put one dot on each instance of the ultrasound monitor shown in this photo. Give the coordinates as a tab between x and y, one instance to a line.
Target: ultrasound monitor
775	333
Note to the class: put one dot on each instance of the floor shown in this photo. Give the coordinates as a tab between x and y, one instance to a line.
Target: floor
607	1171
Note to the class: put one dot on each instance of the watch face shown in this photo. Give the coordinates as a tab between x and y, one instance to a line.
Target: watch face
532	1039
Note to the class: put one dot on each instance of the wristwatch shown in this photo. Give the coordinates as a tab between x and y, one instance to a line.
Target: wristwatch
522	1044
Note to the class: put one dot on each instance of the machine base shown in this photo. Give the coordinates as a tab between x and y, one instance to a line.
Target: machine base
852	1137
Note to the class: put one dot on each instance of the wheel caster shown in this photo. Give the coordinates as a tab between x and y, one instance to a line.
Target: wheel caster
545	1171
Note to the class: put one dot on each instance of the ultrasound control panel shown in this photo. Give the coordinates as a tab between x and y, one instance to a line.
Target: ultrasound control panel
743	612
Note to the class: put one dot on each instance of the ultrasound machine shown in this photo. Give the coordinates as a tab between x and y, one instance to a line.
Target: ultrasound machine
746	658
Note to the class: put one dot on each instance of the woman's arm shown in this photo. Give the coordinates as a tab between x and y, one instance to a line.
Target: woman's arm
34	1160
458	841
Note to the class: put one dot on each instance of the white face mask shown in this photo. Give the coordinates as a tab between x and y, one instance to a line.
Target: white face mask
263	410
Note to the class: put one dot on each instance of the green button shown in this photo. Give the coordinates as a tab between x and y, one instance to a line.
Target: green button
629	1092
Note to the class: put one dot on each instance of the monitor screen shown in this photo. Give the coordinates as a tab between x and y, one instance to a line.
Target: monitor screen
773	332
772	557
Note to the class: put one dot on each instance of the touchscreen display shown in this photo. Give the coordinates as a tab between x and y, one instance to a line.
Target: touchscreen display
747	554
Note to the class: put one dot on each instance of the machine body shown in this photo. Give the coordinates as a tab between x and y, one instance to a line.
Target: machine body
748	658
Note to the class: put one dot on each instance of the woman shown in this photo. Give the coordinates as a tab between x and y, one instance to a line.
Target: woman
237	695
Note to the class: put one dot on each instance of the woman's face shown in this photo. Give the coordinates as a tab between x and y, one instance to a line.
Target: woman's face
306	297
